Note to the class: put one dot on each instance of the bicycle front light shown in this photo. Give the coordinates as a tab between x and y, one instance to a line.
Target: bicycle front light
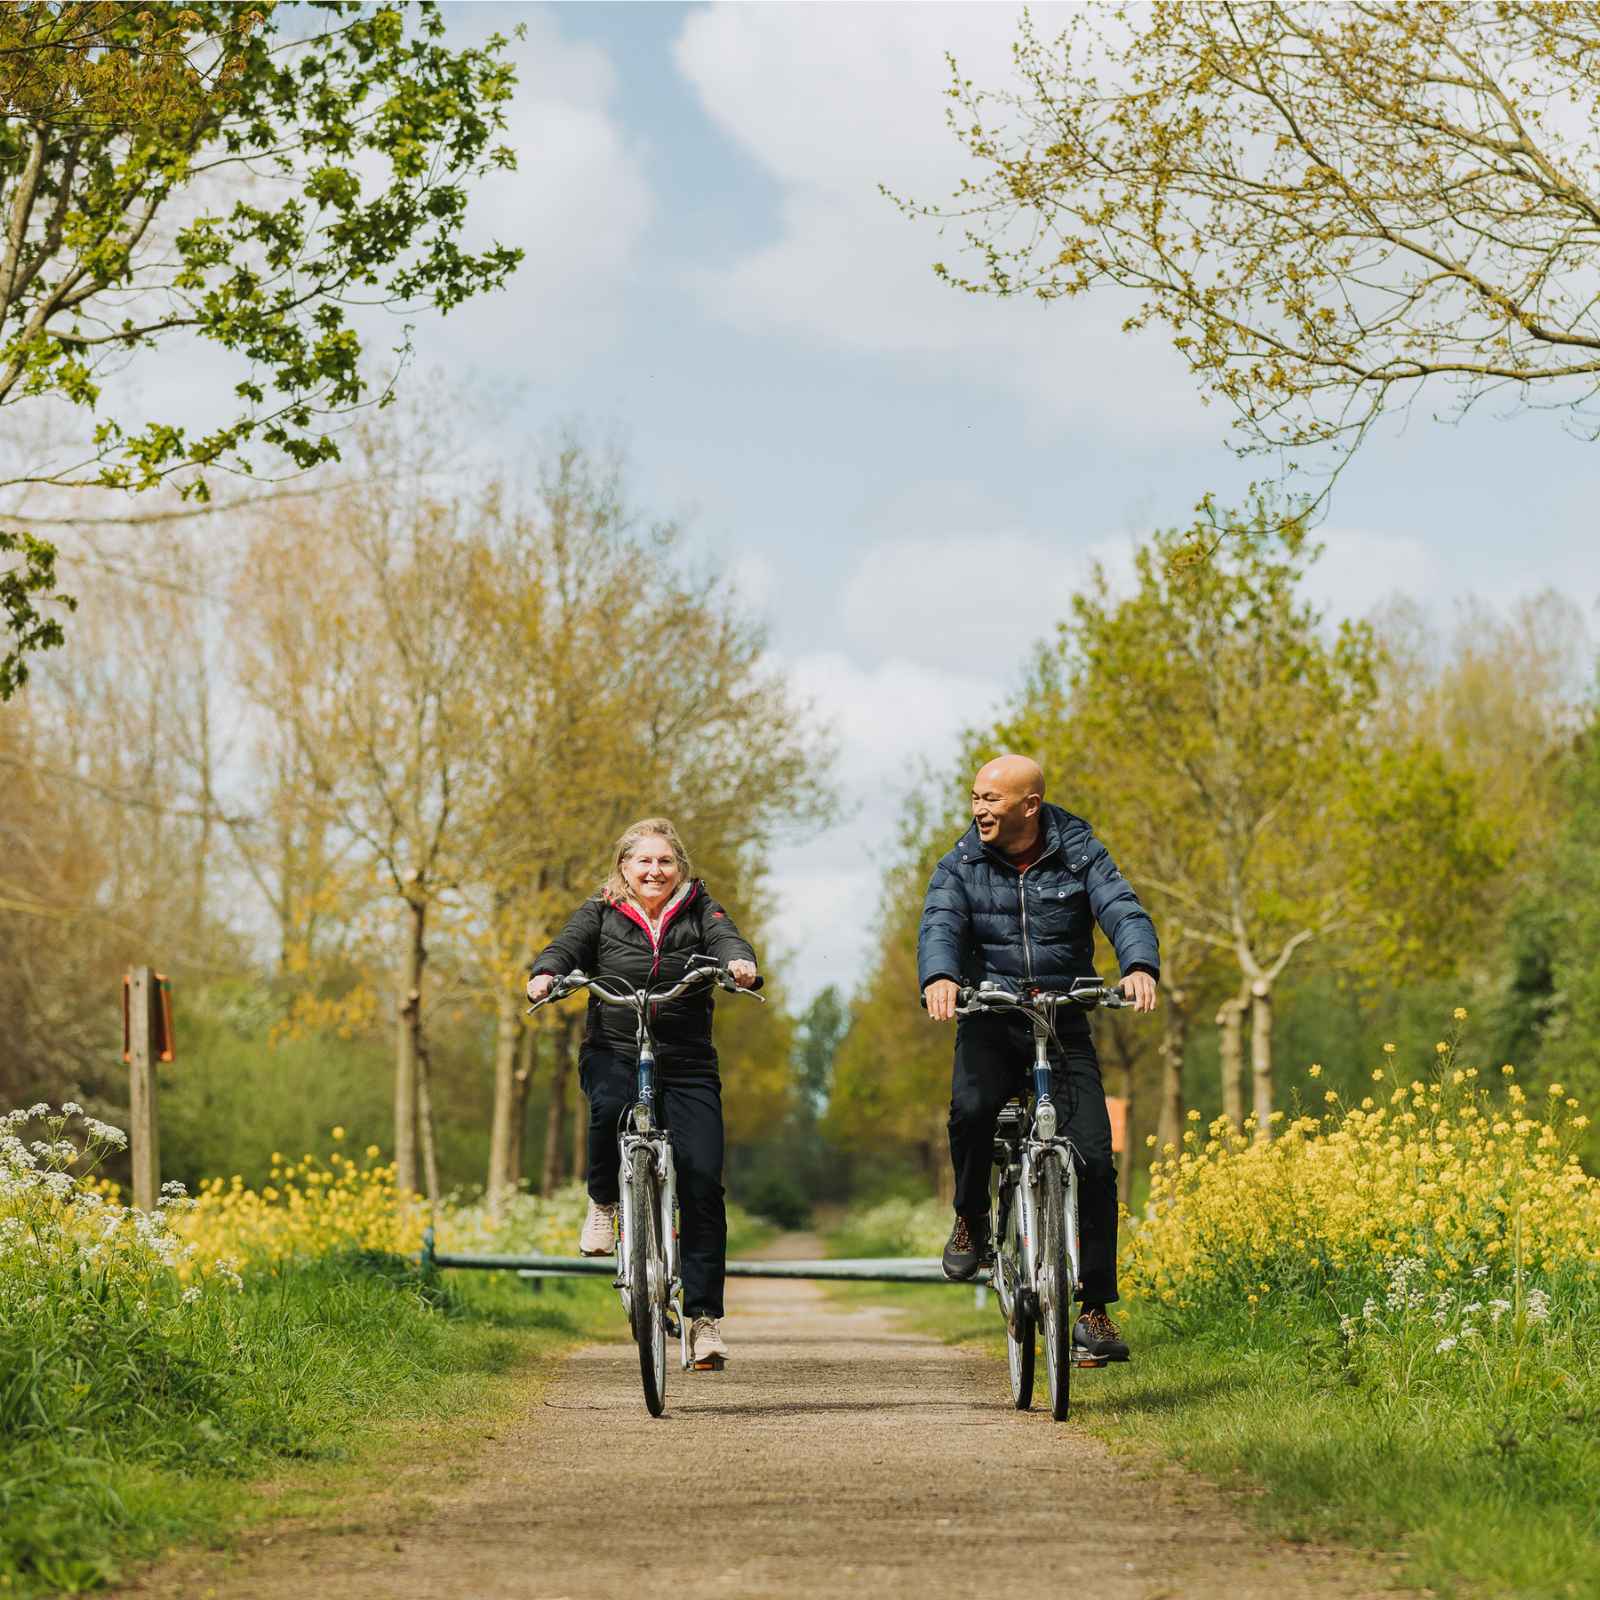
1045	1121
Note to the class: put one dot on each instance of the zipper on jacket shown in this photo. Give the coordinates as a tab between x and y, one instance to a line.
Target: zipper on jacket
1022	898
1027	953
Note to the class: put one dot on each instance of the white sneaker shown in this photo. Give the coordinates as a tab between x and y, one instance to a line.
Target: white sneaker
706	1348
599	1236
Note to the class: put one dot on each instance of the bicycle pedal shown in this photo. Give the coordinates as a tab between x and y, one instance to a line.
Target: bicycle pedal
710	1364
1088	1363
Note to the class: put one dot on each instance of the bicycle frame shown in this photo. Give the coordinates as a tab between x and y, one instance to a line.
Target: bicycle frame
643	1138
1027	1285
1039	1143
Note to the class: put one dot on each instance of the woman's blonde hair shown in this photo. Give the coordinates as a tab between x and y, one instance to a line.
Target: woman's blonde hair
616	886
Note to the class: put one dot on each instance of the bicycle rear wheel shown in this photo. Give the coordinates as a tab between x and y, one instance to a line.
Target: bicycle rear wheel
1055	1286
647	1272
1016	1304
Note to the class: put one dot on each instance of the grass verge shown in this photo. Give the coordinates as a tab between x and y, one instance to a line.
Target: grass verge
1270	1410
313	1381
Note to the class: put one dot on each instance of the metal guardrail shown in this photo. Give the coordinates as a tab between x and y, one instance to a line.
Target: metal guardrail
867	1269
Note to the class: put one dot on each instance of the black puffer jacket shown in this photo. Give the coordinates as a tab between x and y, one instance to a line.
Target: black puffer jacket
982	919
611	938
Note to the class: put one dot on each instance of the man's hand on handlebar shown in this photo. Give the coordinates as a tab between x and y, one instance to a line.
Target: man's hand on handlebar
539	986
940	998
1140	988
743	973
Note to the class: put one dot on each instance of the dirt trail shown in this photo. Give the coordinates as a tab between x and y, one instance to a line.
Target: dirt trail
836	1456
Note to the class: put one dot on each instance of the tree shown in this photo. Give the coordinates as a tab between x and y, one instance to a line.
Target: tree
240	174
1211	709
822	1028
615	698
891	1072
1329	207
1555	983
363	649
1062	718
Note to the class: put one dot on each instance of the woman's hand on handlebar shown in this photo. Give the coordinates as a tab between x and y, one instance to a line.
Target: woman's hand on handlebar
540	985
1140	988
940	998
743	973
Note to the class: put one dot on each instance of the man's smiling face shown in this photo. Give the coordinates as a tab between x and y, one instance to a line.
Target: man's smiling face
1006	796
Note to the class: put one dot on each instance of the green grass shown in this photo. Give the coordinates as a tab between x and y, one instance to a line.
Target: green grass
118	1443
1481	1491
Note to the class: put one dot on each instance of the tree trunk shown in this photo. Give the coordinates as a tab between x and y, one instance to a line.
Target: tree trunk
407	1033
1231	1020
430	1148
556	1112
1174	1045
521	1082
580	1131
1261	1054
504	1128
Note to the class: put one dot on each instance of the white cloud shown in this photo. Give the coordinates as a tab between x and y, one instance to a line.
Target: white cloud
1360	568
831	112
578	205
969	604
889	719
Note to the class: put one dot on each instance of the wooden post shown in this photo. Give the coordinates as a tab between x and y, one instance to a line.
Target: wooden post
144	1138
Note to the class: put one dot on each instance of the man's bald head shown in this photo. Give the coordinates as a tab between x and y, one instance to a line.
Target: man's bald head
1006	796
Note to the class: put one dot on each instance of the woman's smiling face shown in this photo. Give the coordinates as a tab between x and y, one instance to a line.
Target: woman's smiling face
651	871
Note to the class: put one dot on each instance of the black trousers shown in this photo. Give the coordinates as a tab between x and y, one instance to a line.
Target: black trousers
994	1062
689	1102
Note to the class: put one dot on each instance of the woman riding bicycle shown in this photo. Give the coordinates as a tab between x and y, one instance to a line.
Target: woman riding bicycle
650	917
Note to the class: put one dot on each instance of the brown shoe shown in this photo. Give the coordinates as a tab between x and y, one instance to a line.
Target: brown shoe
966	1248
1095	1334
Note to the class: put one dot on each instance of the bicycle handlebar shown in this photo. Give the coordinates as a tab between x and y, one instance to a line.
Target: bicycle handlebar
1085	992
637	999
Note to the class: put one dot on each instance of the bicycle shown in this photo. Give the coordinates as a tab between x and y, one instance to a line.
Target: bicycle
1033	1219
648	1279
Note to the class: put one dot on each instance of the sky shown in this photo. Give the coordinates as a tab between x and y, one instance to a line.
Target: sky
905	481
908	482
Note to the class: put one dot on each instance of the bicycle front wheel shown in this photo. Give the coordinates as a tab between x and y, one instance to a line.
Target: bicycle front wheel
647	1273
1016	1304
1056	1284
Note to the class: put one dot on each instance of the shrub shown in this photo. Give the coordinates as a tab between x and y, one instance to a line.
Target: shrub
1476	1186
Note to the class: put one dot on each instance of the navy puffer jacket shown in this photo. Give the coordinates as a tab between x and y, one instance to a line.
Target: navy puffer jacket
984	920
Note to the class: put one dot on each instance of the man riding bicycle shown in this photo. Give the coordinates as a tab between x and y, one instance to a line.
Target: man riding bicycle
1015	903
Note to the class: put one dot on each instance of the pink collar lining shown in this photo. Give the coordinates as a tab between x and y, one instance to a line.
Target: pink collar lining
657	930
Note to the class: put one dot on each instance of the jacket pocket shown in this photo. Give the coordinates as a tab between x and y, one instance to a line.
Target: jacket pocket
1058	907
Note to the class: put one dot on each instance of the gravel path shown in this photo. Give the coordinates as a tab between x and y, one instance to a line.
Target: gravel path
836	1456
